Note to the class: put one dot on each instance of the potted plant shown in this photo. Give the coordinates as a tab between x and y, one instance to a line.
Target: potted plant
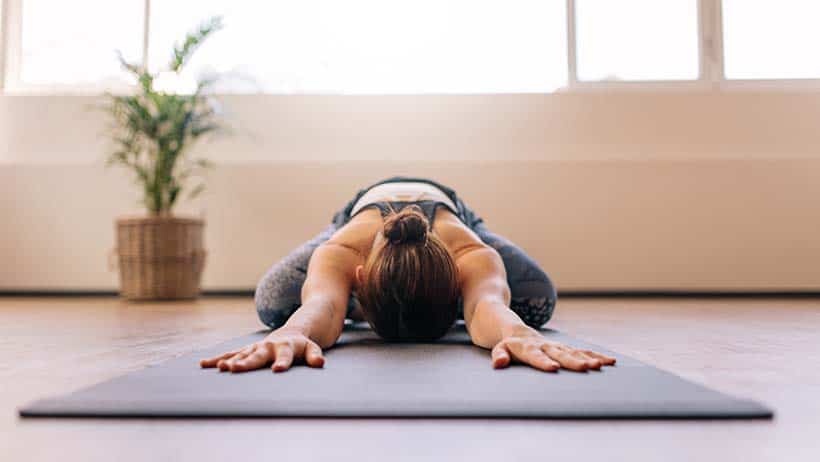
161	256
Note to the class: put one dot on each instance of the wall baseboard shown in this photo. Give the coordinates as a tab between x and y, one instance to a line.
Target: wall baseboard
561	294
688	294
111	293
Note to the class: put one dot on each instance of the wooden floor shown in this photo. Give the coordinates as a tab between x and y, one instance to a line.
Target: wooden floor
762	348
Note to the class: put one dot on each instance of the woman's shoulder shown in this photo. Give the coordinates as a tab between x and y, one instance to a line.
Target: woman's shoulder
358	233
455	235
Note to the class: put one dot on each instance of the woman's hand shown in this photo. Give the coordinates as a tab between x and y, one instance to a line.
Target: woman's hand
531	348
282	347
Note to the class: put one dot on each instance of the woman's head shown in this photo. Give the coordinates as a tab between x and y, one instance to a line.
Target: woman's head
408	286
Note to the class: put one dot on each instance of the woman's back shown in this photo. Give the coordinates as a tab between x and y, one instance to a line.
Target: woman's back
359	233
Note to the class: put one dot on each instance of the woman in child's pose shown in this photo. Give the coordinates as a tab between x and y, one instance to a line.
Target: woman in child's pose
409	257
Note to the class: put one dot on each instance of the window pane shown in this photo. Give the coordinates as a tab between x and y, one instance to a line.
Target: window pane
372	46
636	39
74	42
771	39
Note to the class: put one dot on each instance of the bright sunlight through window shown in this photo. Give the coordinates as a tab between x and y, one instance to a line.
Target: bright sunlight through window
410	47
768	39
637	39
373	46
66	43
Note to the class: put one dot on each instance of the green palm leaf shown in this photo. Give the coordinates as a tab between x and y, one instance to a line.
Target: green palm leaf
153	129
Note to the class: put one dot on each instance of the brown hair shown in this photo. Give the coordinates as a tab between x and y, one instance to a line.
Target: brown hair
410	289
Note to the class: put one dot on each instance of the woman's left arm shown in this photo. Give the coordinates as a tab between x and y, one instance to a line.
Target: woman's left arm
494	326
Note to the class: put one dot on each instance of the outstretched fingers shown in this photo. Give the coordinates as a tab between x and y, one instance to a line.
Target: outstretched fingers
284	357
313	355
503	354
605	360
281	354
228	364
500	356
540	360
258	358
211	362
566	359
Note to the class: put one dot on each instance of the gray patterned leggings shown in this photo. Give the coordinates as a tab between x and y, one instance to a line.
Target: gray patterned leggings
278	294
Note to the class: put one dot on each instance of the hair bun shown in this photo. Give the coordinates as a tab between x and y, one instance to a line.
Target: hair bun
407	225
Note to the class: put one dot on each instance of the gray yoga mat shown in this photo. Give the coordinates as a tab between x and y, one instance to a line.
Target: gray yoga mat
364	377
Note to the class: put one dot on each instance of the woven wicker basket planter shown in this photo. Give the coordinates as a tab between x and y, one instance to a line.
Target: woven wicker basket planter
160	258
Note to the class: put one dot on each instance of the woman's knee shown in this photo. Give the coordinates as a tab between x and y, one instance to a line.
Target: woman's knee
278	294
534	299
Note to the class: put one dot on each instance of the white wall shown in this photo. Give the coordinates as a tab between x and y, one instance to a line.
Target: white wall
641	190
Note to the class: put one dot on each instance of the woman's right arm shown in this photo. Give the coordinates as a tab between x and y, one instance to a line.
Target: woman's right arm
317	324
325	293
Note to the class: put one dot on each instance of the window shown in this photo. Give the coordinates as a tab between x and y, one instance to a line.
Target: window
768	39
60	43
374	46
636	39
413	46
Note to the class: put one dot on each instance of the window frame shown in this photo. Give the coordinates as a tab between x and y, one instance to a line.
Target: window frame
711	74
11	51
709	58
3	41
771	84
